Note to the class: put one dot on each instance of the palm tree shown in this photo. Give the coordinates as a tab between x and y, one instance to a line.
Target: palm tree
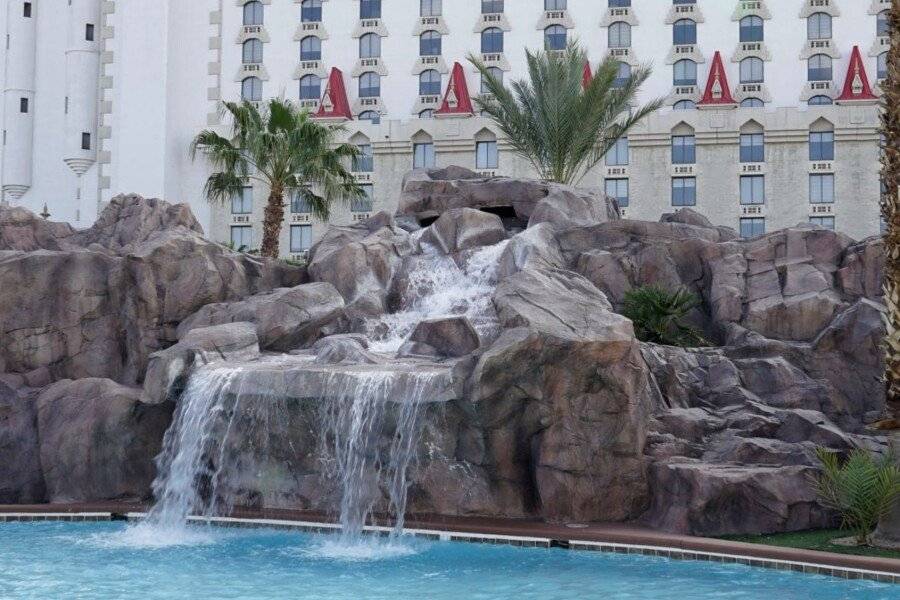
890	211
286	151
556	120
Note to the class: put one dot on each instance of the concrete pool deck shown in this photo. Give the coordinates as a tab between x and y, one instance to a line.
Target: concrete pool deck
605	537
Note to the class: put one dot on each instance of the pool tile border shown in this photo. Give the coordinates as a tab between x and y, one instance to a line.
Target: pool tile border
508	540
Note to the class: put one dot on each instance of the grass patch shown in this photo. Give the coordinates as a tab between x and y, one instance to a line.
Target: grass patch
819	539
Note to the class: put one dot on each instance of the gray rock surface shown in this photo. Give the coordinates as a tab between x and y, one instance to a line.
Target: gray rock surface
452	336
21	477
461	229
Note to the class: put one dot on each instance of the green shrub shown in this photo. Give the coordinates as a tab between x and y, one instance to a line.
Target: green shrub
658	314
861	488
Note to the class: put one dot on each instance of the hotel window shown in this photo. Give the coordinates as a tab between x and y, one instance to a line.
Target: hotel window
430	8
300	204
684	105
685	72
252	52
253	13
491	40
365	161
311	11
752	103
622	76
26	10
430	83
555	4
753	149
881	66
371	116
818	26
23	105
364	203
684	150
826	222
251	89
369	85
619	35
486	155
370	46
370	9
89	32
753	189
496	73
753	227
684	32
490	7
819	68
684	191
311	48
752	70
85	141
242	203
619	3
555	37
821	188
617	156
423	155
882	27
242	238
752	29
430	44
301	238
617	189
820	101
821	145
310	87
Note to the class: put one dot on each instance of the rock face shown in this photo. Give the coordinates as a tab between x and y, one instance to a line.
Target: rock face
463	229
452	336
21	478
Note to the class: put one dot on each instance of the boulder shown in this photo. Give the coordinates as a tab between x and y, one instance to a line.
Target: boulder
452	336
570	207
534	248
98	441
168	369
285	318
343	349
22	230
21	479
461	229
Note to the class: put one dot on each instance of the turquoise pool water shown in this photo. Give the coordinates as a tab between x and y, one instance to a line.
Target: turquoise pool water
109	560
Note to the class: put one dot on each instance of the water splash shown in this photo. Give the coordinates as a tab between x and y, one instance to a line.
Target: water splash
438	287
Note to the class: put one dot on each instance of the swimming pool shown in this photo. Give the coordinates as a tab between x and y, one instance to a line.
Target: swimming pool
114	560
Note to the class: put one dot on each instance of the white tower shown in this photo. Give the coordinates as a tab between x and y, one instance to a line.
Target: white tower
82	85
18	98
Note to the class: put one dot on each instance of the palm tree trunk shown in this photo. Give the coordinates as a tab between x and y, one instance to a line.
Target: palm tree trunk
274	217
890	210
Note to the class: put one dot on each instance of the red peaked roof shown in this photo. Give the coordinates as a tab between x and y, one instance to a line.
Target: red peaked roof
457	102
717	93
334	104
856	85
588	76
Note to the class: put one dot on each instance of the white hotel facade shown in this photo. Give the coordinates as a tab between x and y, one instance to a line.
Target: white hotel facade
771	115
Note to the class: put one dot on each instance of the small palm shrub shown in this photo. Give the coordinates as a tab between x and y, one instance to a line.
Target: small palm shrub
658	315
861	488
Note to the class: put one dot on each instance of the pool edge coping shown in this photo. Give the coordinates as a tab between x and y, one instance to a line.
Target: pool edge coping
438	534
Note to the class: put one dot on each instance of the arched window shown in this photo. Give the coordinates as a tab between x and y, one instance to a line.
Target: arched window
818	26
684	105
423	151
821	140
311	11
428	113
253	13
253	51
430	8
430	44
820	101
623	74
555	4
369	85
819	68
370	46
881	69
685	72
555	37
311	48
753	143
430	83
492	40
310	87
370	115
251	89
752	70
882	27
619	35
752	103
496	73
752	29
684	32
